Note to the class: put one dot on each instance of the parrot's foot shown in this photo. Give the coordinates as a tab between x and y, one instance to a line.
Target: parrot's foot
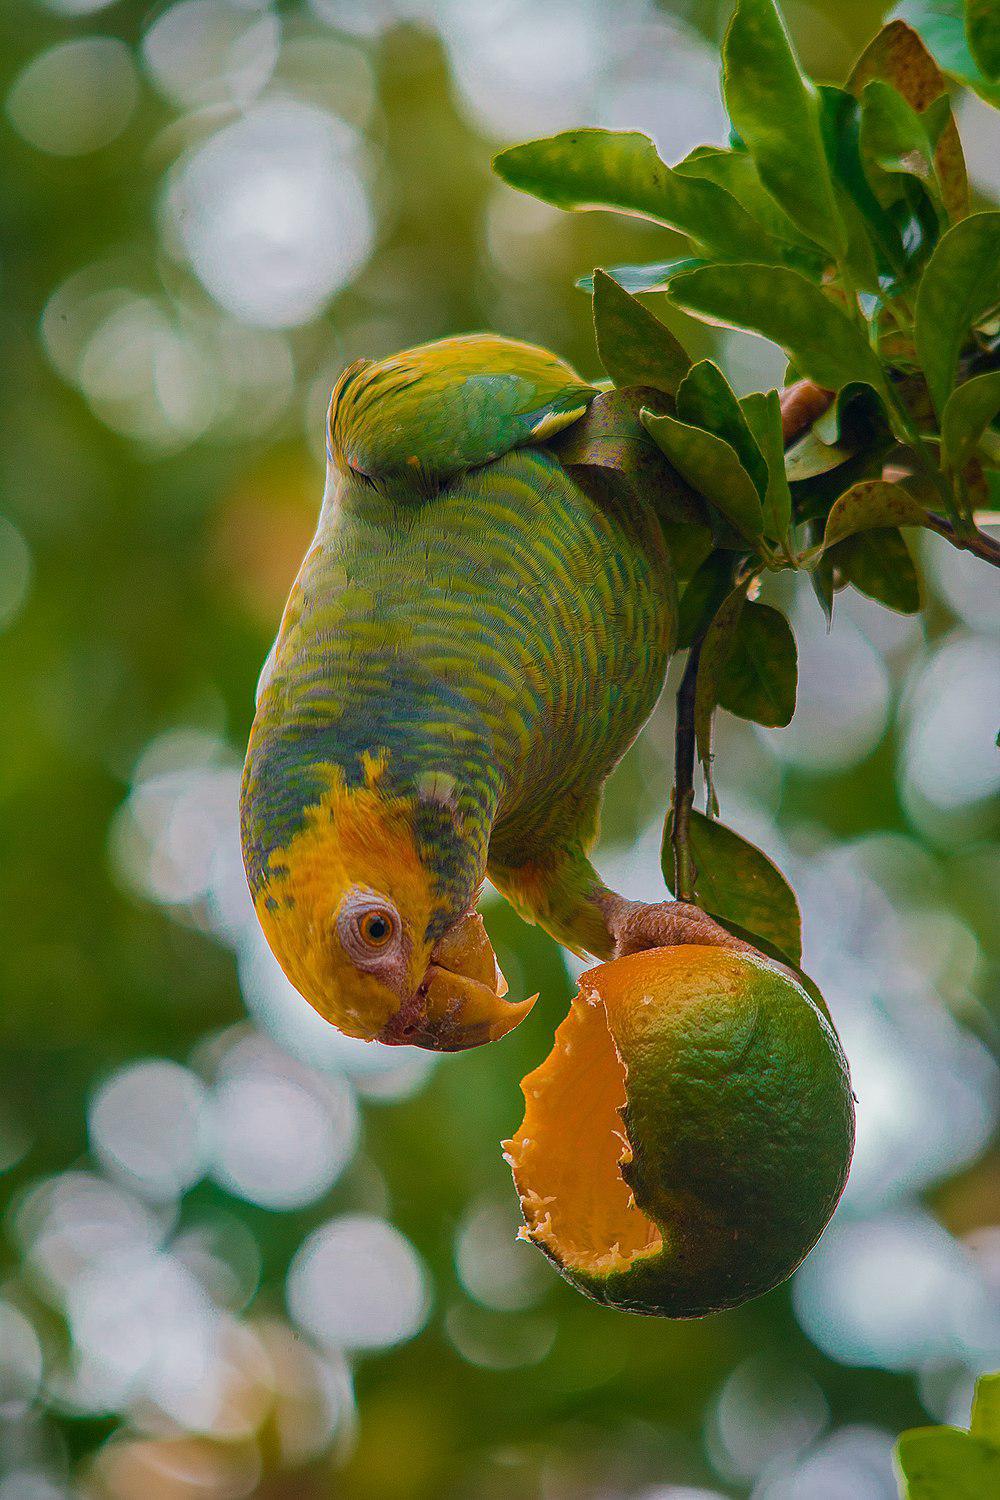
638	925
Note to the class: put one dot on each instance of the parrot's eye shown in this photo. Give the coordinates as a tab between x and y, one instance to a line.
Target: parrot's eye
375	928
371	930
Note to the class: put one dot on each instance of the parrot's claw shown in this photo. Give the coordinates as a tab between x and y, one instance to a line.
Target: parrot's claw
635	926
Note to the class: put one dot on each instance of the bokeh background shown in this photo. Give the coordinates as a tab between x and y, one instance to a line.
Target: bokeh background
241	1255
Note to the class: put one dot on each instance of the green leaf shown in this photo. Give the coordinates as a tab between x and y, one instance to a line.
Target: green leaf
968	412
711	467
737	883
759	674
688	544
714	650
982	31
866	225
946	1463
621	169
872	232
961	283
941	24
935	118
815	496
647	278
872	503
762	410
776	302
821	575
611	438
879	565
857	417
895	142
776	111
709	585
635	348
898	56
706	399
736	171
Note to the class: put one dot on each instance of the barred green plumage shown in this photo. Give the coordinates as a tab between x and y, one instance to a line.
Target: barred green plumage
472	642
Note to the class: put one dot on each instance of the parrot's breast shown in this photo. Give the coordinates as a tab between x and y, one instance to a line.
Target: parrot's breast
508	636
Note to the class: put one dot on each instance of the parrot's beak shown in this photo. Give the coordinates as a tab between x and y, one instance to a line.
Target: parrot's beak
460	1002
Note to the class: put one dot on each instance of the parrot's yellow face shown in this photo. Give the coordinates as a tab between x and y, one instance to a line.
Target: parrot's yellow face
346	907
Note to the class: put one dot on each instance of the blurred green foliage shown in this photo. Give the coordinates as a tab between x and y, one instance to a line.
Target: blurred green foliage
177	302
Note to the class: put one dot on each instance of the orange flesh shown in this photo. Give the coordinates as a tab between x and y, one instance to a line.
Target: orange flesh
567	1153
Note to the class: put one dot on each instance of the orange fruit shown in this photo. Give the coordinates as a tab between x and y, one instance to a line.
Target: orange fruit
687	1139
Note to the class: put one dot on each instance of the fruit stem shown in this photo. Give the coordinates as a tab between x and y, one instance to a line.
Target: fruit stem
685	869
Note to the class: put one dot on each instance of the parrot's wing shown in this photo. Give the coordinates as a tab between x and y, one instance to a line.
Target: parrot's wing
441	408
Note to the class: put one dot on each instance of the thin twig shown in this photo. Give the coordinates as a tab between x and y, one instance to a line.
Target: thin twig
685	870
976	541
804	403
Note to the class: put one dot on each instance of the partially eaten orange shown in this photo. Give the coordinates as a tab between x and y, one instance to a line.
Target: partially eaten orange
689	1135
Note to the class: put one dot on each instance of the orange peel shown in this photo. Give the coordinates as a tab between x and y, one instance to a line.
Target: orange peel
688	1137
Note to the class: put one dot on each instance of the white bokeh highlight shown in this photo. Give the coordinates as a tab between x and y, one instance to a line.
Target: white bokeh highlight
357	1283
145	1124
272	212
76	97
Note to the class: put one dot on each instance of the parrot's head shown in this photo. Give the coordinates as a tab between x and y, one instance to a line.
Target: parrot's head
349	910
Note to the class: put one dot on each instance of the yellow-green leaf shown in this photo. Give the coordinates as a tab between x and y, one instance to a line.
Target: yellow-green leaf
825	343
985	1422
946	1463
960	284
710	465
736	882
811	456
822	578
871	503
870	227
621	169
942	1463
634	346
775	109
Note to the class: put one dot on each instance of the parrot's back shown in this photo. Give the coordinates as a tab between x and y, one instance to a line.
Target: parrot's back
498	635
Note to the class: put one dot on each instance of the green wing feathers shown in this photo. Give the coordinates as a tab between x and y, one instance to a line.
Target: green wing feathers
437	410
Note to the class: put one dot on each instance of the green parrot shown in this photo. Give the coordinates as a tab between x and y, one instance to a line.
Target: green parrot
473	640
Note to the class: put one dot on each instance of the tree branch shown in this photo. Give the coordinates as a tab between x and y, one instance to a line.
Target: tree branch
805	402
977	542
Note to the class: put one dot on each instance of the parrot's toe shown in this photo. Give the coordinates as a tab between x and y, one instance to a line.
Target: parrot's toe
637	926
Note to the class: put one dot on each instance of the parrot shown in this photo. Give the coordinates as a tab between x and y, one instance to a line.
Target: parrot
474	638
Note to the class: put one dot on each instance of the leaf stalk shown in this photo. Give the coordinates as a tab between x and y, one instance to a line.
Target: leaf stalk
685	869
